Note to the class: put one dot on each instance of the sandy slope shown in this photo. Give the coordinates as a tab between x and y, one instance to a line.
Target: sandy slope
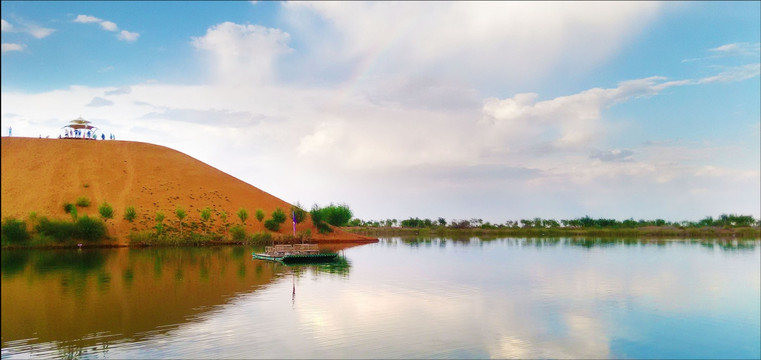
41	175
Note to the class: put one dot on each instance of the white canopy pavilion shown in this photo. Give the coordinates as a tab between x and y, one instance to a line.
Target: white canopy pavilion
80	128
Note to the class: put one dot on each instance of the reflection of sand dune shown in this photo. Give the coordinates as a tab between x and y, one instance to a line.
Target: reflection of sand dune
41	175
123	293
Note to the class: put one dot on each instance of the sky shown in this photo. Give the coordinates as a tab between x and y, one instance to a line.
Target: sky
491	110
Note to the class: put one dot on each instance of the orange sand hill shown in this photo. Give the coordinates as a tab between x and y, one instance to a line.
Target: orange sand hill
41	175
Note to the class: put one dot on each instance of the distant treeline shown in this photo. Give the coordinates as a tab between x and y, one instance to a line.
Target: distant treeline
586	222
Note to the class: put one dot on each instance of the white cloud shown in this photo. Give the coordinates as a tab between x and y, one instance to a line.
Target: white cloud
6	26
128	36
123	35
12	47
243	53
110	26
737	48
86	19
518	43
99	101
39	32
391	121
36	31
738	73
565	122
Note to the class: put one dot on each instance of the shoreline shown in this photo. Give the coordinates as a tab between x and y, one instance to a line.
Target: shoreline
656	232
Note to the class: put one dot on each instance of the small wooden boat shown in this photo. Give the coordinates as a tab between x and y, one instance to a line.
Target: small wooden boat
290	254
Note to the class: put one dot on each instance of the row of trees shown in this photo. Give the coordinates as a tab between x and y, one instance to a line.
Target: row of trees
724	220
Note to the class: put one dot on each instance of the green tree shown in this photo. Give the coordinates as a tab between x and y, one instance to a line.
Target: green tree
159	222
243	215
14	231
223	216
205	216
130	214
106	211
336	215
298	214
180	213
259	215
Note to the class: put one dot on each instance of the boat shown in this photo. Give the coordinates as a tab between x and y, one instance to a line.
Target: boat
291	254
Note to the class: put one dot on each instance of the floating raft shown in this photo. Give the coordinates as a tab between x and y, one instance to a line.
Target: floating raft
297	258
289	254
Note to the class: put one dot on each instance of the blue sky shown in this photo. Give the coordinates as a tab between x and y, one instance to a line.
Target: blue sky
454	109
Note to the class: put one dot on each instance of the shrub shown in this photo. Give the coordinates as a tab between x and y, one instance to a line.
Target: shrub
106	211
243	215
180	213
317	219
272	225
145	237
336	215
205	216
259	215
89	229
83	202
238	233
278	215
69	207
261	238
130	214
59	231
298	214
14	231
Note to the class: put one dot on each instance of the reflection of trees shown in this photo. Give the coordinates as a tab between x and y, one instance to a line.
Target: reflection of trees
13	262
339	266
584	242
82	262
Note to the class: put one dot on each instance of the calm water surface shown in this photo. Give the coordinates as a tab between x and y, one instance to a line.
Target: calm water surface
399	298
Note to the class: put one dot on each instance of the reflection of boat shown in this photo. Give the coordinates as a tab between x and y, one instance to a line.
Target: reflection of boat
298	253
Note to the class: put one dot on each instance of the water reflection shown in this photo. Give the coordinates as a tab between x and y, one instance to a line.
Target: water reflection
67	296
584	242
432	297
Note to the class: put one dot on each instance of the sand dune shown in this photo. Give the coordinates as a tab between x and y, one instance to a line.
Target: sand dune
41	175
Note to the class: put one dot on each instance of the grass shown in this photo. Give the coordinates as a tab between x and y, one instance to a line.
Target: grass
83	201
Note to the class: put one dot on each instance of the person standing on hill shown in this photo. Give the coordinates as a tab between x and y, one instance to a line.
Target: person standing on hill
10	130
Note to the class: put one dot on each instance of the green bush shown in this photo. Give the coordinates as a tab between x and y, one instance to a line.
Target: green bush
298	214
106	211
337	215
279	216
242	215
14	231
89	229
259	215
272	225
238	233
83	202
318	217
69	207
59	231
261	238
145	237
130	214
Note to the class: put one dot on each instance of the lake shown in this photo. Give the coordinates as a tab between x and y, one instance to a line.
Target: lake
403	297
